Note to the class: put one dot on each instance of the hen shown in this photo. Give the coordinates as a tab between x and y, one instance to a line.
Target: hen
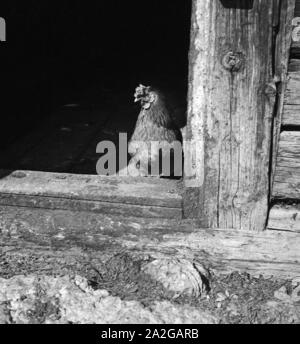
155	146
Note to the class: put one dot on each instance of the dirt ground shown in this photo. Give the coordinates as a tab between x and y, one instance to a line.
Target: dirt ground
123	290
37	289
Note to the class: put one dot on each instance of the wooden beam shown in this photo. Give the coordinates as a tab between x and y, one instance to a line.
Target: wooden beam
285	217
232	99
148	197
294	65
282	56
92	238
295	50
296	43
287	174
291	112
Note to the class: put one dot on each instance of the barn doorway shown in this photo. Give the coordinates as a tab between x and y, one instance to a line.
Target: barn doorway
70	70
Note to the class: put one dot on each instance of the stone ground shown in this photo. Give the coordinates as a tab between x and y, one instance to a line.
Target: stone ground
128	291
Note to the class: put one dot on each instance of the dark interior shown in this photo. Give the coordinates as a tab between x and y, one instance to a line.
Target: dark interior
69	70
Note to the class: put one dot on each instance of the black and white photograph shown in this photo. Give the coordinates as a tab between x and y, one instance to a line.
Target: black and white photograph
149	165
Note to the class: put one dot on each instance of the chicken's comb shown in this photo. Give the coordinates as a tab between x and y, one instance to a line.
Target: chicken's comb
142	90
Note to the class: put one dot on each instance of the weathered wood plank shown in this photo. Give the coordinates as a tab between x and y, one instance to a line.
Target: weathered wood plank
285	217
232	98
295	51
294	65
149	197
291	112
282	56
113	208
96	237
292	95
287	175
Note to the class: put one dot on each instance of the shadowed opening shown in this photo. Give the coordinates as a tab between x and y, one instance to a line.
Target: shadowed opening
69	71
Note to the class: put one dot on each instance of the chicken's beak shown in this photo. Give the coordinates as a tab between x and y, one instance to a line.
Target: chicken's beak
137	98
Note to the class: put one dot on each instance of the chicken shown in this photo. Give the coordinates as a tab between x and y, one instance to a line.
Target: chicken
154	134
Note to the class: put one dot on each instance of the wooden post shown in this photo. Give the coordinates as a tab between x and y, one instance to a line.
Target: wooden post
232	102
282	57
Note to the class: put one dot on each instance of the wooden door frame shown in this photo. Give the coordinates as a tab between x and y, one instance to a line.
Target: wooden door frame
226	63
238	69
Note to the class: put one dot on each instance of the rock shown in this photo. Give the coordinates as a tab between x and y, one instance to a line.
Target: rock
61	300
296	281
179	276
282	295
296	294
221	297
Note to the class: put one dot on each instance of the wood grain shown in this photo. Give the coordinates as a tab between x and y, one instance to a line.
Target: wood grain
149	197
294	65
231	112
94	237
285	217
295	52
282	66
287	174
291	112
296	45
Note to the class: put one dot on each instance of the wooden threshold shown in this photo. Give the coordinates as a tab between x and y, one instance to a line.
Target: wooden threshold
144	197
32	232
